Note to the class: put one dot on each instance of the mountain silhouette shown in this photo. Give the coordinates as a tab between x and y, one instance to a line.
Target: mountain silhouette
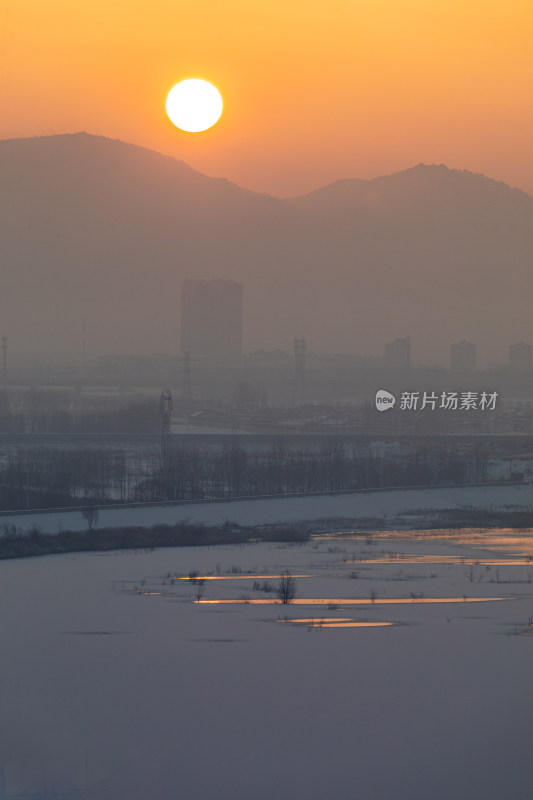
100	231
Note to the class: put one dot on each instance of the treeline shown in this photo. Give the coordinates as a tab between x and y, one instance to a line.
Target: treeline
48	477
14	544
56	411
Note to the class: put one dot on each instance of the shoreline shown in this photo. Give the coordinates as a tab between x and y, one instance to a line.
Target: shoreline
34	543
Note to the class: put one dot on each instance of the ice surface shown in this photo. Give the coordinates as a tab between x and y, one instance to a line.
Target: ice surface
109	670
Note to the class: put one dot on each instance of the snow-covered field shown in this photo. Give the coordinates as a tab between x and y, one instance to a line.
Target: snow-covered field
386	504
110	670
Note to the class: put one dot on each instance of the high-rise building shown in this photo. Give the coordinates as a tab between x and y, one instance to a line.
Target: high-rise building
520	358
211	318
398	353
463	357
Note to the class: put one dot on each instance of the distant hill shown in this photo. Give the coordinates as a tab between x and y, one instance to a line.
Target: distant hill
97	230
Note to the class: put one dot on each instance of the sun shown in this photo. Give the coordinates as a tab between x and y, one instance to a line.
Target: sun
194	105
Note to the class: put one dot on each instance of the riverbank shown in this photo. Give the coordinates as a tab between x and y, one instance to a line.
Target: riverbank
405	508
17	543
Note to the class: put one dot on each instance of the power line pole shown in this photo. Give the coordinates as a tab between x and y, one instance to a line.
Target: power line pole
165	407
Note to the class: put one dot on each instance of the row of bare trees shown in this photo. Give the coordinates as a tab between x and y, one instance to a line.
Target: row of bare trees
47	477
61	411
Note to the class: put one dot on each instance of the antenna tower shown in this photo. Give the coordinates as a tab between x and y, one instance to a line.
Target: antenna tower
165	407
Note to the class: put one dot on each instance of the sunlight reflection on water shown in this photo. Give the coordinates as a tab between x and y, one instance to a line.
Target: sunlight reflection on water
336	622
236	577
519	544
351	601
409	558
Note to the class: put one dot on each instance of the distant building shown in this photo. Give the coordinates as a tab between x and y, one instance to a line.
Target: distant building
463	357
520	358
211	318
398	353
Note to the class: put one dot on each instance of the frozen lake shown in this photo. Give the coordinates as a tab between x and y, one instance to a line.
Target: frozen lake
404	670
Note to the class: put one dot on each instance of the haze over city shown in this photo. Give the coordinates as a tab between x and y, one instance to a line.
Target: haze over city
266	399
314	96
101	232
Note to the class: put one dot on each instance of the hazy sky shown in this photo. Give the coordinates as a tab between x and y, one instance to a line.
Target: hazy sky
313	90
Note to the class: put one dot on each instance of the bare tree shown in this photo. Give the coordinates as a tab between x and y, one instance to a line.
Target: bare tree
199	591
195	578
286	590
90	515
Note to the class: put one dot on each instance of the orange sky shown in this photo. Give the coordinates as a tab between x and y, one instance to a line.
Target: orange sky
314	90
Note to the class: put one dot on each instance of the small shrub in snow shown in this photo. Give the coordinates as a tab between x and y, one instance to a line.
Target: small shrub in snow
286	590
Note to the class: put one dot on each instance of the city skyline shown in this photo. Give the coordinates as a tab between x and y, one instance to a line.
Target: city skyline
266	399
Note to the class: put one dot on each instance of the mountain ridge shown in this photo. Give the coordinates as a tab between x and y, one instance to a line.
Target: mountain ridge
92	228
363	182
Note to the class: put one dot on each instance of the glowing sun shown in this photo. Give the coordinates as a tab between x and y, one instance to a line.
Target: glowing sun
194	105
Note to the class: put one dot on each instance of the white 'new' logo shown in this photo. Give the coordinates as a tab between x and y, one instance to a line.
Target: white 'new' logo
384	400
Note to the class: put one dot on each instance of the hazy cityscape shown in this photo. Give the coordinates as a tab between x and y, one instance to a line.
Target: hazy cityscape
266	400
150	455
